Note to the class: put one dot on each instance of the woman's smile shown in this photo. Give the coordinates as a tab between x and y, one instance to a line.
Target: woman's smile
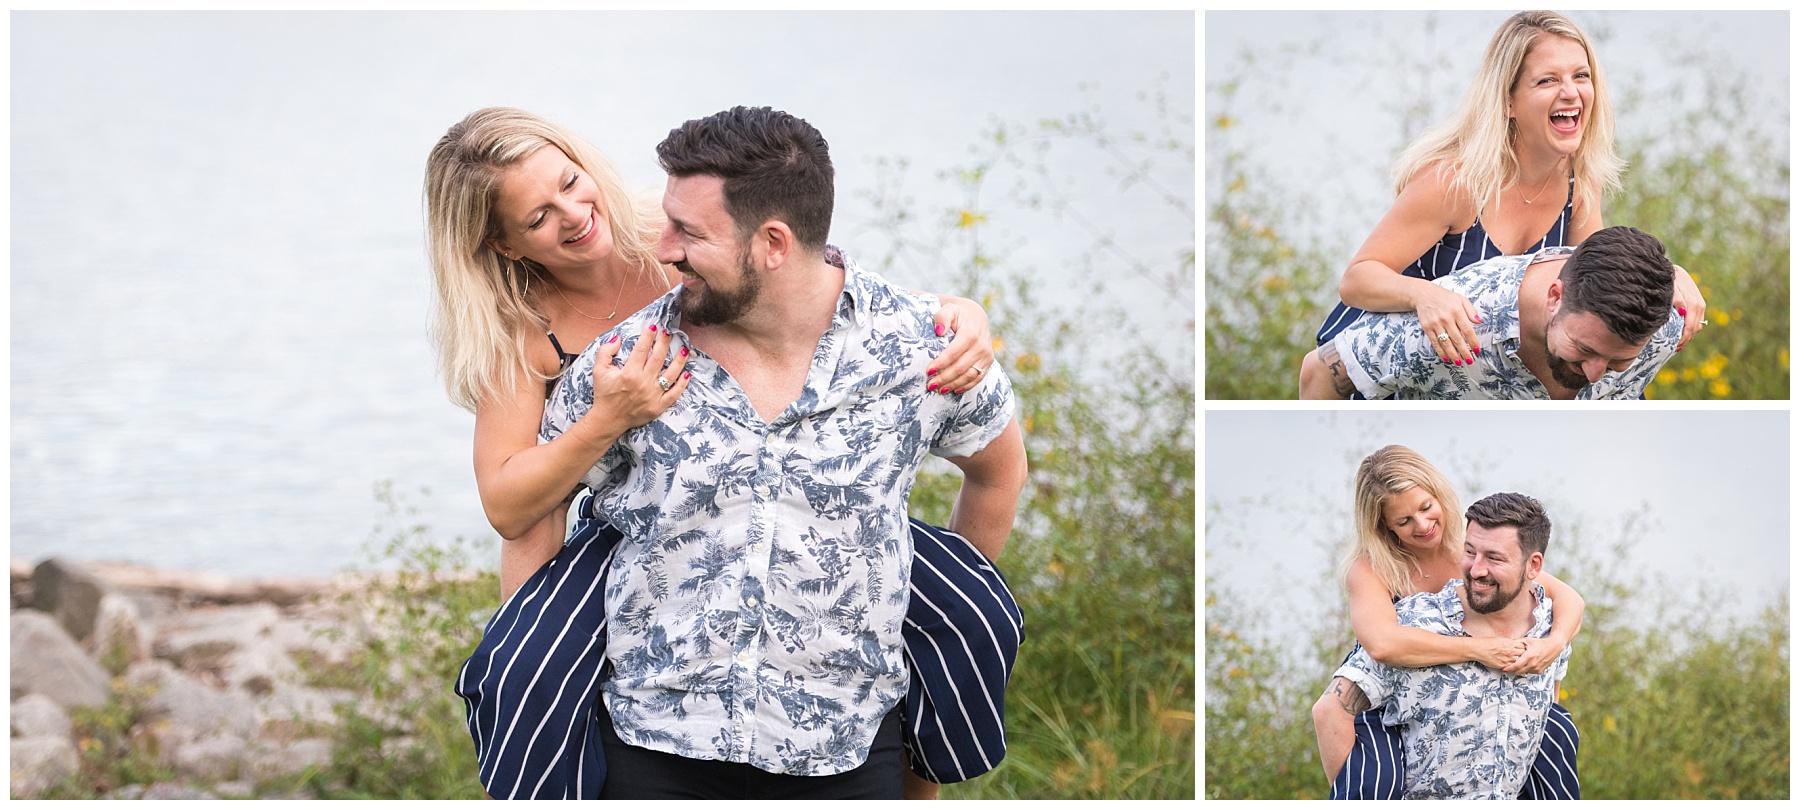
587	231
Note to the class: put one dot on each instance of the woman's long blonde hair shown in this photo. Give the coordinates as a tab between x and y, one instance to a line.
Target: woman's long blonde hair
1387	472
483	313
1476	146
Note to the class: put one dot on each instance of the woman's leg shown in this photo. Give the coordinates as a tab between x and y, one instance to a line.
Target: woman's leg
962	634
1553	773
1377	765
531	685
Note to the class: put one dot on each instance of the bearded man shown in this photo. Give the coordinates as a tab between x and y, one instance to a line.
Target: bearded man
1467	731
1593	322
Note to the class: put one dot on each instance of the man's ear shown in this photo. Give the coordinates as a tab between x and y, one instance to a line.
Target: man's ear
778	243
1534	565
1553	297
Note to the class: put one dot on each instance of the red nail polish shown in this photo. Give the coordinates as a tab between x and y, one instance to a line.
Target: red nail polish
684	351
686	374
931	387
940	328
1682	310
959	390
929	372
614	340
652	327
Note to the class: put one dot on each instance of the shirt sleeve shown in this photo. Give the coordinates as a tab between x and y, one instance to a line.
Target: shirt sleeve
976	416
1384	352
1374	678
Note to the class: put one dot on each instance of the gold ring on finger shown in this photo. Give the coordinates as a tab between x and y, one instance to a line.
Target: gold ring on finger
1443	336
664	384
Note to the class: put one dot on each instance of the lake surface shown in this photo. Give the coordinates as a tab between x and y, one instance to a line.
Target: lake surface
219	284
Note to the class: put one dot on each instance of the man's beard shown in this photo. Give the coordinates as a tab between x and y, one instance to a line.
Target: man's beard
1496	601
708	306
1566	374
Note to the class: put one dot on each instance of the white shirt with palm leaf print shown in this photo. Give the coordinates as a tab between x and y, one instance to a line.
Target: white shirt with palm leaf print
755	605
1388	353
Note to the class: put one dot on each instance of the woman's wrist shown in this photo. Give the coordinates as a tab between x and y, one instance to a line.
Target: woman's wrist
598	429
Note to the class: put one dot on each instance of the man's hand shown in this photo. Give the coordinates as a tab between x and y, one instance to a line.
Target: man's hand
1334	720
1322	375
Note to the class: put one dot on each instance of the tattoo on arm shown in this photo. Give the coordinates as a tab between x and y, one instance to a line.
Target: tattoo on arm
1349	696
1340	379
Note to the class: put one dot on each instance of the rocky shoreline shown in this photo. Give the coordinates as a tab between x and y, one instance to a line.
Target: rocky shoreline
210	665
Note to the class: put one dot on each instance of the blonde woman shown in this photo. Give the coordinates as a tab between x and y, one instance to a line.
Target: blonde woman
1520	167
537	248
1409	539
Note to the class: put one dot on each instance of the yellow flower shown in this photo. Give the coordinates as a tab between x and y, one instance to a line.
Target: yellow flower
1690	374
1028	361
1666	376
1562	696
1720	389
1610	723
1720	317
999	345
1274	283
1225	122
969	218
1236	672
1782	356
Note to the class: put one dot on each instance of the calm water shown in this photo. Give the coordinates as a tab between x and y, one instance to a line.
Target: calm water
218	277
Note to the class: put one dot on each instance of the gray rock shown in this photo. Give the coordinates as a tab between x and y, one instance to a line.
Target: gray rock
235	790
258	666
308	635
214	758
271	760
297	711
205	637
70	592
38	763
120	637
39	716
192	709
162	790
46	661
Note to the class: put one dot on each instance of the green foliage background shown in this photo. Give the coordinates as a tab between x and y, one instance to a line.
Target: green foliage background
1715	194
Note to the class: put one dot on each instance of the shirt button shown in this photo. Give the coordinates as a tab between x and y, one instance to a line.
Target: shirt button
744	657
762	490
751	601
757	547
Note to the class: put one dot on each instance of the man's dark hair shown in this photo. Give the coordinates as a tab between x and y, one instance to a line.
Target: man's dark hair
775	166
1624	278
1521	512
